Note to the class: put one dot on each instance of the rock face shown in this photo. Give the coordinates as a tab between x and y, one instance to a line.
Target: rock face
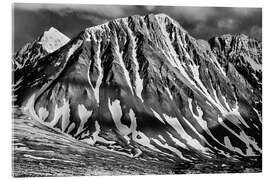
241	56
142	85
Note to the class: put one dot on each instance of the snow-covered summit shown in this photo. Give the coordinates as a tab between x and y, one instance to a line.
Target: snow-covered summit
53	40
48	42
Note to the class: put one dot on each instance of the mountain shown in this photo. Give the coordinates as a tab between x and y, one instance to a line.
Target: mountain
142	86
46	43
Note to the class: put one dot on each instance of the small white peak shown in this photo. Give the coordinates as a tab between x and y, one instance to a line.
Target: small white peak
52	29
53	40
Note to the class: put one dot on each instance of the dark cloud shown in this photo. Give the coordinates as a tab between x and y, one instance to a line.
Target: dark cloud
205	22
30	20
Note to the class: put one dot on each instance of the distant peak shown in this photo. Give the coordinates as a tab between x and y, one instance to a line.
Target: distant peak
53	39
53	29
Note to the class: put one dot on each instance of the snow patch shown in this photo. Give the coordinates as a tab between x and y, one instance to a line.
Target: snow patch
122	64
214	60
162	138
48	159
116	112
228	144
169	93
199	118
179	128
138	81
133	124
71	127
96	138
84	115
143	140
179	143
226	103
244	138
138	136
202	122
43	113
157	116
23	148
59	112
176	151
29	107
250	142
100	70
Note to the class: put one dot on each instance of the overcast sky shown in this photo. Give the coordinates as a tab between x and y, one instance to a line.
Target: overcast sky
30	20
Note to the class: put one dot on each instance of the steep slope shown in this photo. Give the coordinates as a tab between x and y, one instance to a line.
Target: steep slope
142	85
241	56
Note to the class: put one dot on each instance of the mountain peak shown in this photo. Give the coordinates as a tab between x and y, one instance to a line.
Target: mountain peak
53	39
142	23
48	42
163	16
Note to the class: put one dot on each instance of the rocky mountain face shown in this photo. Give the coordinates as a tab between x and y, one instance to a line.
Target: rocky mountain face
241	56
142	86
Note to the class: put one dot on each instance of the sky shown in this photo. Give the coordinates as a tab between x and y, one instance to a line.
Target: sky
31	20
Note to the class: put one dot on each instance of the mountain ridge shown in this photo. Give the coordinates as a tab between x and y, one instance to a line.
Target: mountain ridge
144	84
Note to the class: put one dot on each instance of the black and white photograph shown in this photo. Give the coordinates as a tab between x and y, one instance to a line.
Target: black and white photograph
107	90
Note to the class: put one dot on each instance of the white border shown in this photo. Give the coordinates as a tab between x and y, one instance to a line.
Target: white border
227	3
5	95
